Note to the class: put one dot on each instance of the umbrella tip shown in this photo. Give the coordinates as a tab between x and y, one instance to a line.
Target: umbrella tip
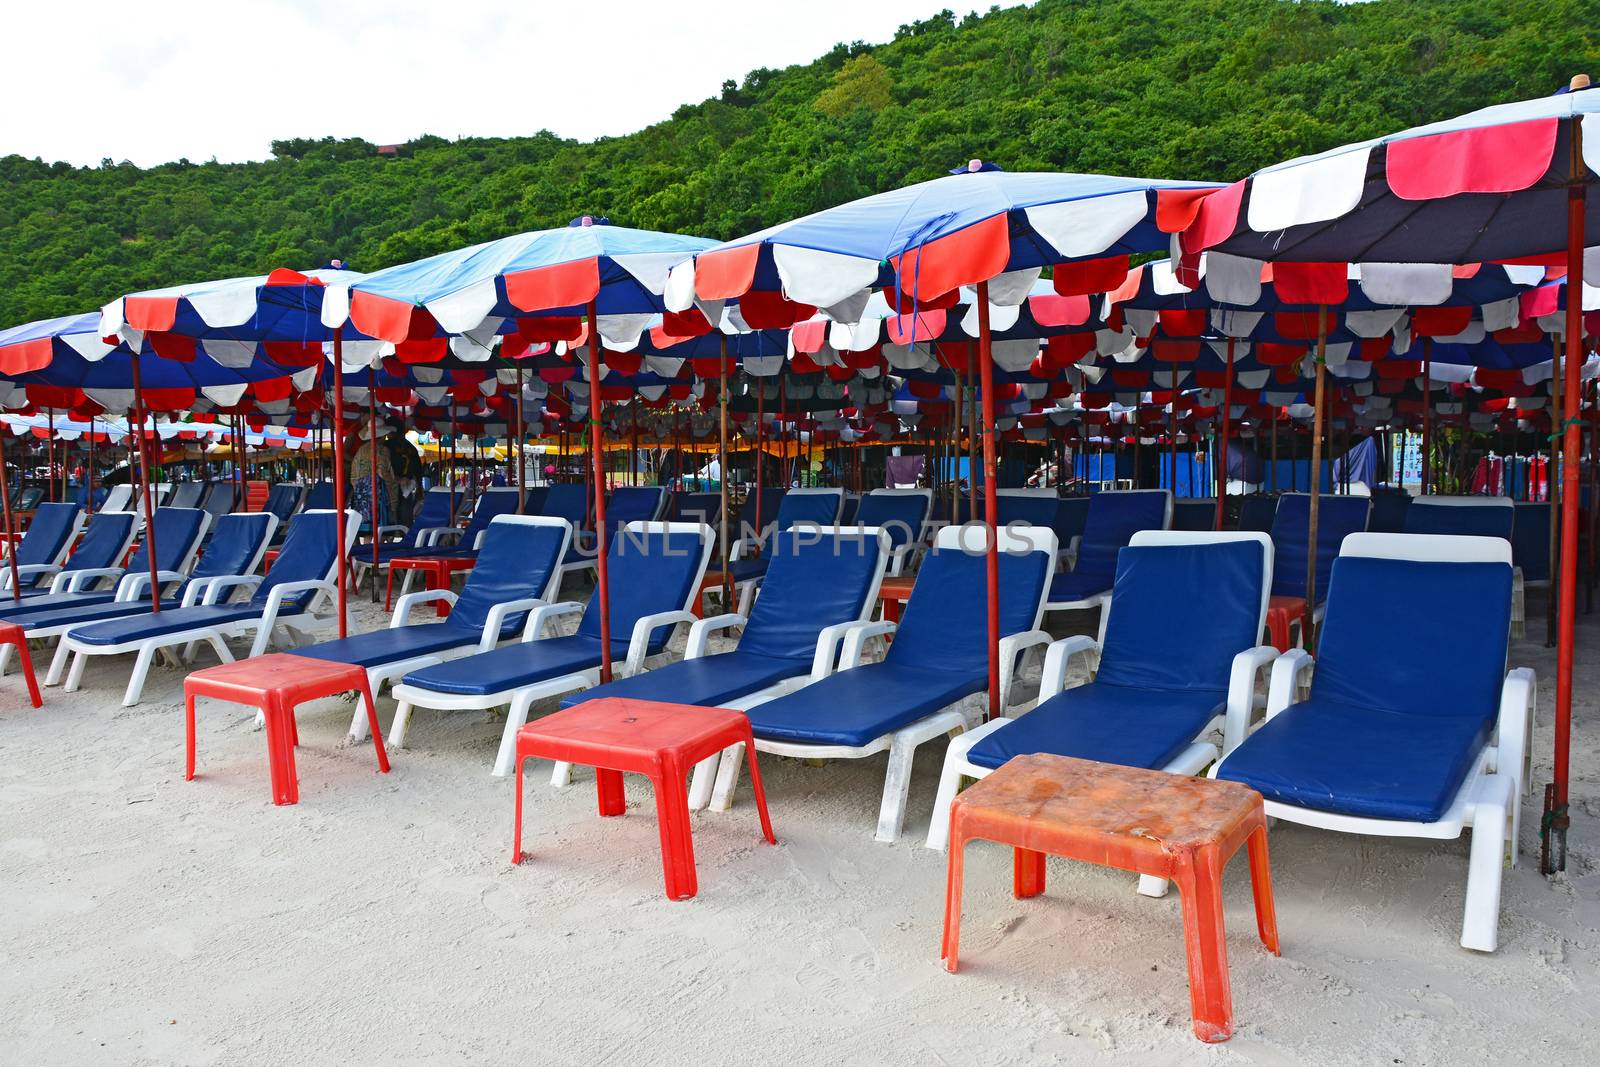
1579	81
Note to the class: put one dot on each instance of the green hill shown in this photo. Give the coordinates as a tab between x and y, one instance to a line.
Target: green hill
1168	88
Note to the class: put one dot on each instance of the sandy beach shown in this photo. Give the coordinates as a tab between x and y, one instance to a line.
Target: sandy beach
149	920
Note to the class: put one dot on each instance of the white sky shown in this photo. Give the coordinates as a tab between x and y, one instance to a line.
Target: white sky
156	80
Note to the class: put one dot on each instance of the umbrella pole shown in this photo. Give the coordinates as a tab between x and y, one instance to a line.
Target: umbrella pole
5	509
602	584
522	490
372	469
761	413
1222	445
50	454
722	471
339	486
1570	428
1552	491
1427	415
144	487
450	463
238	463
990	503
88	472
1316	474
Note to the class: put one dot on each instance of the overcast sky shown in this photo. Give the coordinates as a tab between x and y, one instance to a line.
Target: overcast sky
158	80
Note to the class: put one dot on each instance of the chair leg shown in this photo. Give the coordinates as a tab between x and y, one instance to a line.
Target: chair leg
1151	886
516	718
702	781
727	778
955	767
75	673
1199	878
1480	923
397	728
896	788
561	774
58	664
5	658
141	670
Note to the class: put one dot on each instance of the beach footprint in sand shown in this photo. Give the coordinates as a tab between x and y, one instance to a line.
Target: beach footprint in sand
839	975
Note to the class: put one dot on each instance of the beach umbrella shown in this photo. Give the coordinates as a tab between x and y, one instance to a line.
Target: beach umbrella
979	226
584	284
1505	183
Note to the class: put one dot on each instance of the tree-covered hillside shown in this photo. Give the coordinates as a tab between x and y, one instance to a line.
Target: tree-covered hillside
1168	88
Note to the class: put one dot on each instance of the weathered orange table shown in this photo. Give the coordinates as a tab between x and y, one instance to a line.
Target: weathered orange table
277	683
660	741
1282	612
437	572
1150	822
15	636
893	592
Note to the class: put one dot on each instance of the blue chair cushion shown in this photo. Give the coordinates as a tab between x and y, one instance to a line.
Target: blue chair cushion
1079	585
854	707
1389	508
1109	723
1337	517
513	666
707	681
105	536
88	609
1112	521
389	645
1256	513
744	570
47	534
309	553
1530	541
811	582
516	563
1352	760
567	500
177	621
235	545
1194	514
1492	518
944	626
900	515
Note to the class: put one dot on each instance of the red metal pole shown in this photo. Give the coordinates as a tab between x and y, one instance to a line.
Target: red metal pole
1222	446
1571	439
761	412
144	486
11	536
991	506
1427	414
339	485
722	471
50	454
1316	474
602	586
88	474
522	489
372	469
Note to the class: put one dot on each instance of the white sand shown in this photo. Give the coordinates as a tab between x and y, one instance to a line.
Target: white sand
149	920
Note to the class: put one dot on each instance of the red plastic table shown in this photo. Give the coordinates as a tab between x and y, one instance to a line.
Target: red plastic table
662	742
1282	611
277	683
436	570
14	635
893	592
1166	825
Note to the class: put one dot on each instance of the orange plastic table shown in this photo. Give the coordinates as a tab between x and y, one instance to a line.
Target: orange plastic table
1282	612
436	571
662	742
893	592
14	635
1165	825
277	683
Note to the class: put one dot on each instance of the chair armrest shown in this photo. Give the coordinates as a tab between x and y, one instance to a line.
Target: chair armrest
1058	657
741	546
535	624
639	642
1288	674
700	633
133	586
856	636
1011	650
75	581
30	570
898	557
827	652
403	606
1247	668
477	542
283	592
1518	697
392	530
432	535
214	586
497	619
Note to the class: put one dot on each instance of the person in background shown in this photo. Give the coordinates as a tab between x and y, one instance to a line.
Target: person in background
382	510
406	463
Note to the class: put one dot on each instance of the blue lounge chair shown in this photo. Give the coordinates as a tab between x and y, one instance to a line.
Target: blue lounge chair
1419	737
28	498
1389	507
118	498
179	532
935	676
1530	556
818	587
742	523
1072	512
1027	507
1256	513
697	507
654	570
319	497
848	508
902	514
186	495
625	504
1473	516
283	500
452	542
518	572
1114	517
43	547
567	500
1337	518
431	520
234	546
303	572
1194	513
107	538
799	507
1177	659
